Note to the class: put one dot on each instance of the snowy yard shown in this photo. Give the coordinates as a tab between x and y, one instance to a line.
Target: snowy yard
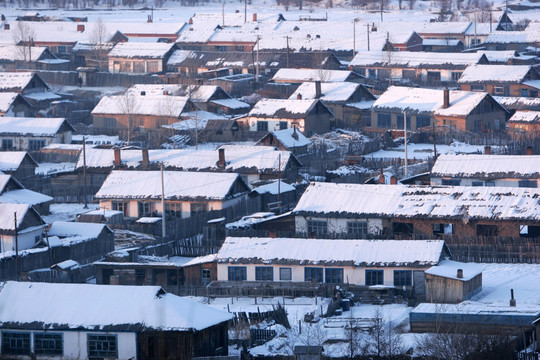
67	212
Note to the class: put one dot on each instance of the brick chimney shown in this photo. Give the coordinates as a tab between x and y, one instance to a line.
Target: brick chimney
318	91
6	26
487	150
221	159
393	180
294	134
145	159
299	97
80	27
190	21
459	274
381	177
529	150
117	160
512	300
446	98
255	17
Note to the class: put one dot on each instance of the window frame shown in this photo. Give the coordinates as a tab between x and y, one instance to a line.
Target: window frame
58	348
36	144
384	121
335	274
402	277
264	273
317	227
236	273
197	208
357	228
7	144
310	271
101	352
374	277
24	348
262	125
283	270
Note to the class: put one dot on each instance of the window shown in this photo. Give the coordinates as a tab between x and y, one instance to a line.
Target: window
400	228
153	66
48	344
477	87
144	208
198	208
221	48
262	125
265	273
456	75
527	184
402	277
138	67
433	76
384	74
408	74
140	276
486	230
529	231
62	49
453	182
312	274
102	346
372	73
477	183
317	227
173	209
357	228
450	123
239	48
533	93
384	121
477	125
399	119
120	206
15	343
374	277
206	276
35	145
490	183
237	273
285	274
283	125
422	121
498	90
333	276
443	229
7	144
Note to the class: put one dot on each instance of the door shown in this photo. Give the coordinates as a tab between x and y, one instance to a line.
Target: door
419	284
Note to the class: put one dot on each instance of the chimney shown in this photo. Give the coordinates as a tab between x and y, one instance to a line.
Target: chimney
393	180
117	161
80	27
6	26
487	150
529	150
221	161
143	93
255	17
446	98
145	159
460	273
165	92
294	134
237	11
190	21
317	89
381	177
299	97
512	300
149	19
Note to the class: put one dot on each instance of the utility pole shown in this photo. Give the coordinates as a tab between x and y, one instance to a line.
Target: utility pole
257	67
354	38
245	11
163	227
382	2
16	248
405	130
367	26
223	13
84	171
279	179
434	142
287	37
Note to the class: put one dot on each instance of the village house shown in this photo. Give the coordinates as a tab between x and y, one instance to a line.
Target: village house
350	102
14	57
356	264
415	212
31	134
502	80
105	321
297	76
32	88
414	67
487	170
525	123
517	103
14	104
513	40
308	116
140	57
19	164
451	282
138	193
288	139
90	54
13	192
21	222
463	110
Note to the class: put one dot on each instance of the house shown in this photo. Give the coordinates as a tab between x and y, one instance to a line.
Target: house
350	102
200	271
514	103
416	67
91	54
357	263
463	110
486	170
287	139
445	46
31	134
105	321
308	116
411	211
502	80
14	104
13	192
25	83
21	227
525	123
304	75
20	164
14	57
139	57
513	40
138	193
451	282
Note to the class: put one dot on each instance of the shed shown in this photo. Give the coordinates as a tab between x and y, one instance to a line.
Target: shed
453	282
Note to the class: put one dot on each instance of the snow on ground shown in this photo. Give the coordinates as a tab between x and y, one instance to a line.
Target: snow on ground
67	212
53	168
425	151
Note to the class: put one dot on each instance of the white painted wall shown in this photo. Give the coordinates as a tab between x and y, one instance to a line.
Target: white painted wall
469	181
273	124
339	225
26	239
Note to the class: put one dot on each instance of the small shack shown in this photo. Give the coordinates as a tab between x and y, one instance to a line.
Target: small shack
452	282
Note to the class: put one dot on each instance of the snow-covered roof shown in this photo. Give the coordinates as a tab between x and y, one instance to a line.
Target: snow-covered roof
47	31
519	116
6	100
237	158
31	126
76	231
83	46
178	185
312	75
291	138
487	166
21	53
24	196
331	92
494	73
231	103
412	201
272	188
11	160
14	80
516	37
415	59
500	56
201	93
495	312
427	101
282	108
141	50
331	252
518	103
137	104
105	307
449	268
7	221
201	260
441	42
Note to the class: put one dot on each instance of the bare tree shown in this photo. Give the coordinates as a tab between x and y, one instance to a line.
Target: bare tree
23	36
384	339
128	105
170	108
99	36
411	4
